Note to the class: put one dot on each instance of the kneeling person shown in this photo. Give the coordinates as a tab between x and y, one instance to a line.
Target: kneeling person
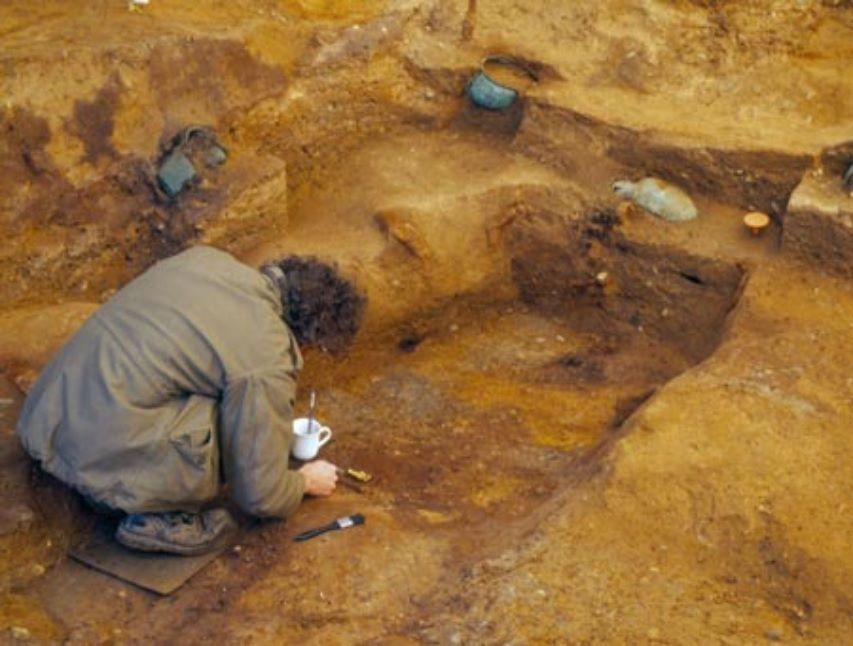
184	380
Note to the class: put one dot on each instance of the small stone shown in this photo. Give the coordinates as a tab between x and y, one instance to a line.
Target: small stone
122	594
774	633
602	278
16	516
215	156
540	339
37	569
560	338
19	632
454	327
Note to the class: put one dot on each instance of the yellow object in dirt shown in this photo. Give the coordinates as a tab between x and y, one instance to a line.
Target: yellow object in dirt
756	222
361	476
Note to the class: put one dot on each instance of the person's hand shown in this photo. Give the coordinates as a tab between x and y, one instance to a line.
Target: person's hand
320	477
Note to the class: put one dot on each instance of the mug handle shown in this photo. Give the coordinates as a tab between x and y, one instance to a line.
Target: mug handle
328	436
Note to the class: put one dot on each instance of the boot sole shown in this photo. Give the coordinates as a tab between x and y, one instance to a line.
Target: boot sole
151	544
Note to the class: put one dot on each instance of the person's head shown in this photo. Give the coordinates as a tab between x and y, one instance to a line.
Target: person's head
321	307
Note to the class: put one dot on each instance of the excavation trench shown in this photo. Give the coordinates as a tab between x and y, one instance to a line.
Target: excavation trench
475	412
481	407
512	330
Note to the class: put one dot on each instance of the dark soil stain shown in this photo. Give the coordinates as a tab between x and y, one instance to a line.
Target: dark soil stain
216	74
410	342
583	367
584	269
93	122
24	161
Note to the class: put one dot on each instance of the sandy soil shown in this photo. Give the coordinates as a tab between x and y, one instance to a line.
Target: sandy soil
659	455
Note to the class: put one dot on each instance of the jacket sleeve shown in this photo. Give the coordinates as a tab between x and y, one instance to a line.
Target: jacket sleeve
256	436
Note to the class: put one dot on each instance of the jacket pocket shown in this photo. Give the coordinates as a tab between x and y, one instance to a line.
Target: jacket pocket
195	447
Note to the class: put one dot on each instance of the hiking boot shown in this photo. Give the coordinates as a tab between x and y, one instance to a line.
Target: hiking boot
176	532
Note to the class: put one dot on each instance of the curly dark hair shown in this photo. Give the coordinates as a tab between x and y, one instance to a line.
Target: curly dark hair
320	306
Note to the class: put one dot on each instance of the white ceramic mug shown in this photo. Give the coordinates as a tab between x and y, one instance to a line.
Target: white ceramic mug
307	441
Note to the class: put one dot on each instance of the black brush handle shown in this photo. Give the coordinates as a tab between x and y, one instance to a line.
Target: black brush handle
340	523
312	533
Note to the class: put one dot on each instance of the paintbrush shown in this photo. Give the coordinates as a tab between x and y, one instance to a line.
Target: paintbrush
340	523
351	485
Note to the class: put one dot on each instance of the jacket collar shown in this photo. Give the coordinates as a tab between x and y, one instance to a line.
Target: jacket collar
279	282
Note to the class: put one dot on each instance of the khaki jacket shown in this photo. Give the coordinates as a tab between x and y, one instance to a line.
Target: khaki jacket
187	374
